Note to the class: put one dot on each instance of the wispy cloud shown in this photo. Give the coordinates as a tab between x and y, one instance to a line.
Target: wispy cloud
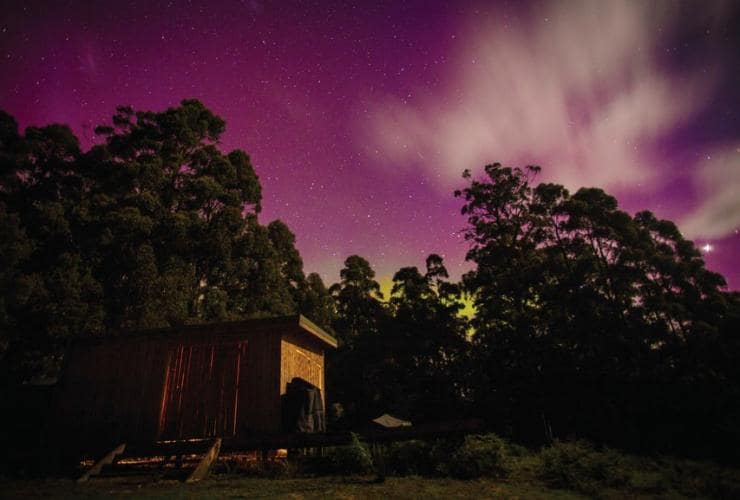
579	88
718	181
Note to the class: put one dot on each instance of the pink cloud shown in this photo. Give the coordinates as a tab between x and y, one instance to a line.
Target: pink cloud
717	178
578	88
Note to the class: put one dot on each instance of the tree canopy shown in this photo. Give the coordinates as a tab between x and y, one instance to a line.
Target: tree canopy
590	321
154	226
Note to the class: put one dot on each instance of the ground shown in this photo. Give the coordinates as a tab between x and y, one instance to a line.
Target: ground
223	486
232	487
579	469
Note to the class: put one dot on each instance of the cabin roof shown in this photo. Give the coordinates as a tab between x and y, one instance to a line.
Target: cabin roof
294	322
315	330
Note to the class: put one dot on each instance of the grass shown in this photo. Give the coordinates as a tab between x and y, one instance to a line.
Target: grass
228	486
493	468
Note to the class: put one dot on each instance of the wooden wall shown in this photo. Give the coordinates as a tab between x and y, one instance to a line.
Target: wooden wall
200	389
300	356
202	383
259	396
110	391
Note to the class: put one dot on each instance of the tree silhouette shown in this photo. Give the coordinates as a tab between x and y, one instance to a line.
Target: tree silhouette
427	345
154	226
355	369
589	321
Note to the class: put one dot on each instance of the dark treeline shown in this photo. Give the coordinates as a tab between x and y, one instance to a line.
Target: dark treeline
596	324
589	322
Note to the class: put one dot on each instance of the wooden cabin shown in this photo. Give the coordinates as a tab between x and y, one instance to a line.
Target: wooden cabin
189	382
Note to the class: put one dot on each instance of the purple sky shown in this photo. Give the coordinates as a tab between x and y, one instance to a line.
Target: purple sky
360	119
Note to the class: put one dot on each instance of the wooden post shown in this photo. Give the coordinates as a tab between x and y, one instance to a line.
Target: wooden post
107	459
201	471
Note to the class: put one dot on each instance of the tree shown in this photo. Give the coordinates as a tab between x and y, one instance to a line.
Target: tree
358	301
406	356
48	289
155	226
427	348
165	193
588	319
317	303
354	370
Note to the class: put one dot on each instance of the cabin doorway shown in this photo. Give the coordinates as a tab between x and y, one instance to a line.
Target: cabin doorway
201	391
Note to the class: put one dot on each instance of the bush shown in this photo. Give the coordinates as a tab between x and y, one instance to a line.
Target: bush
577	465
273	468
648	481
441	452
701	479
480	455
354	458
410	458
516	450
474	456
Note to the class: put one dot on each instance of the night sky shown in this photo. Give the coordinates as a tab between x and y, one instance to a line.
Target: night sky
360	118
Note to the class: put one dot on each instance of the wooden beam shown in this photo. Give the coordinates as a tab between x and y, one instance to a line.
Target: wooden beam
169	448
107	459
201	471
272	442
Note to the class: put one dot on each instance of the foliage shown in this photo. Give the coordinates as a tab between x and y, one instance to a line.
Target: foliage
354	458
409	458
354	370
577	465
358	301
316	302
591	322
154	226
427	347
474	456
275	468
405	356
690	478
480	455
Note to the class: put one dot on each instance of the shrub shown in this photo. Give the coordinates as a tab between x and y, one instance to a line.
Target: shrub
516	450
278	469
648	481
440	454
354	458
274	468
577	465
480	455
410	458
701	479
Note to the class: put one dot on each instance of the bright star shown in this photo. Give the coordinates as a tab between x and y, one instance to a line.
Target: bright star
707	248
